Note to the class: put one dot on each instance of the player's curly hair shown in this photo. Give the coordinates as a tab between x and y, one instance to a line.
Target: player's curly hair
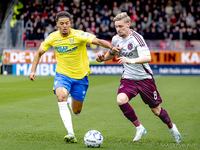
62	14
123	16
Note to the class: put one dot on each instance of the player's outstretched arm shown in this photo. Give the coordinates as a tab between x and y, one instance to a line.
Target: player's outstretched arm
106	44
36	60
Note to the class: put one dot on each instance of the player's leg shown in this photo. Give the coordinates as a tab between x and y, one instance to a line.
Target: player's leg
163	115
65	114
122	100
77	92
150	96
127	90
62	86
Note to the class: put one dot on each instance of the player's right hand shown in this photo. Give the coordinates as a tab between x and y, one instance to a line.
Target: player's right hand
32	76
100	57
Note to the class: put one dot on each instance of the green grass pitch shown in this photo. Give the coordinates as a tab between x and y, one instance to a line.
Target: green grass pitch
30	120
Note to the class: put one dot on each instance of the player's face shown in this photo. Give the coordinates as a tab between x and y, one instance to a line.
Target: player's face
122	28
64	25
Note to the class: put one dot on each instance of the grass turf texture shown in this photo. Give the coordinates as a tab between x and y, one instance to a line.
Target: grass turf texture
30	120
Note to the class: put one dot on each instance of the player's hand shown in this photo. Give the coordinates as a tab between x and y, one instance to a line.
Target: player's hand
32	76
116	49
100	57
122	60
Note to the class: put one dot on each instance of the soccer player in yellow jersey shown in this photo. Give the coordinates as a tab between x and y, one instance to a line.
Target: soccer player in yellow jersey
72	67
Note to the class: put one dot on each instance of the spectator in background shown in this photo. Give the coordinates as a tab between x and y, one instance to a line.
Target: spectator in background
195	35
44	14
190	19
176	33
36	14
24	36
147	34
173	19
18	9
43	24
39	35
146	22
153	33
14	29
93	26
162	13
106	19
61	7
28	26
189	33
77	22
50	28
169	8
160	34
32	35
46	33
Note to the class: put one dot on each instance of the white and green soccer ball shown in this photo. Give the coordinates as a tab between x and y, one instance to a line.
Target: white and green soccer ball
93	138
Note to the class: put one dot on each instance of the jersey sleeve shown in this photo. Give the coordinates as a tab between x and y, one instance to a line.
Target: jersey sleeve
46	44
113	42
142	47
87	37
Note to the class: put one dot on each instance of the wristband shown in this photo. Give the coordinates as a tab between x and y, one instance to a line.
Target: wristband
132	61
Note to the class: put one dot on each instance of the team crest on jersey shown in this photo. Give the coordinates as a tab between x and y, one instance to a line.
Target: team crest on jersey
130	46
71	40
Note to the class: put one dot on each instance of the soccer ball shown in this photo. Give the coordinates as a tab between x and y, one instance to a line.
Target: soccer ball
93	138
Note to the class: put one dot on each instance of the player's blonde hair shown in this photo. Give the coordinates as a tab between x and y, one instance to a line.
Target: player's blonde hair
123	16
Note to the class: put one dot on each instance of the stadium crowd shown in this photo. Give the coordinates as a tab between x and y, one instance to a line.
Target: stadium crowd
154	19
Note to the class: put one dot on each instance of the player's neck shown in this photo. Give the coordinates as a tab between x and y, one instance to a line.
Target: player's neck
66	35
128	33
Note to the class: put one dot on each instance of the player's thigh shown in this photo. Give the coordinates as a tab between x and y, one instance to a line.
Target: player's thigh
149	93
62	94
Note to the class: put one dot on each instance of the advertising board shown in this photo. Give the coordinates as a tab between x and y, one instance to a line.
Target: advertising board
163	63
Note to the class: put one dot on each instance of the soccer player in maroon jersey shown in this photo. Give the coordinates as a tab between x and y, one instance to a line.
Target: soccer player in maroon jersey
137	77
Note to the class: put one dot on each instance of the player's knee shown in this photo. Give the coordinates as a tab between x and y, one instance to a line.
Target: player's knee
156	111
122	98
61	98
76	111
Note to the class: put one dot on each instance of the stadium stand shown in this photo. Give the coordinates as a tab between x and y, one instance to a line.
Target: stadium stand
153	19
164	17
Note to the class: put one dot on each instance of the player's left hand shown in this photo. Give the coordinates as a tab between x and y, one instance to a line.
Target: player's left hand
122	60
116	49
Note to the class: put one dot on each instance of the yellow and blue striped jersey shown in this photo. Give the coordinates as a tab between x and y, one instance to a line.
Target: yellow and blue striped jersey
71	52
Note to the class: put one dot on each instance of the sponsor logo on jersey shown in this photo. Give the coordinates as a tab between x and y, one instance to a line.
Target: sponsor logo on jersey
65	50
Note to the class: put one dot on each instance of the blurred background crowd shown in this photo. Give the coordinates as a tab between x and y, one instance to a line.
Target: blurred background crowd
153	19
